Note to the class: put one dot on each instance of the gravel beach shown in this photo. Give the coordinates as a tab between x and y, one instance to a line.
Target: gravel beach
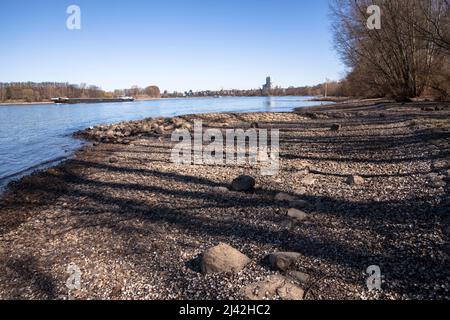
370	180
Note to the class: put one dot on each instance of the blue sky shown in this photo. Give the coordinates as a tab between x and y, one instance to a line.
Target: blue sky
175	44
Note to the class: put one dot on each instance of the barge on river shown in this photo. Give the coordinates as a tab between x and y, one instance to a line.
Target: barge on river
91	100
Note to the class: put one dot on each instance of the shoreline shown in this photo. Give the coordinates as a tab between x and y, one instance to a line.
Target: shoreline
148	99
149	219
25	103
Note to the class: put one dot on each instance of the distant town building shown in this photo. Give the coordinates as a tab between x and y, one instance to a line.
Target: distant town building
267	86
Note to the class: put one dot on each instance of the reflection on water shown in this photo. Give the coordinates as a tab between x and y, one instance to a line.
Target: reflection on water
33	136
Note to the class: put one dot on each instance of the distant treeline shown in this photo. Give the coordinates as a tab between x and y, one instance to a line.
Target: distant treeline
407	56
331	88
39	92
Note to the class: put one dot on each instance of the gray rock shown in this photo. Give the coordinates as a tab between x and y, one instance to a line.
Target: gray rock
308	180
223	258
221	189
282	196
297	214
335	127
159	130
355	180
282	261
243	183
299	276
286	224
275	286
110	133
113	159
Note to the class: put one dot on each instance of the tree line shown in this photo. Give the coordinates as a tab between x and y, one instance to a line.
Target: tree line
407	57
332	88
40	92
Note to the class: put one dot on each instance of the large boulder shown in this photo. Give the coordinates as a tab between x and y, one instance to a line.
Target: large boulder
282	261
272	288
223	258
243	183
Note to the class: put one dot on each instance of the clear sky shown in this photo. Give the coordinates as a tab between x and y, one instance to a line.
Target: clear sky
175	44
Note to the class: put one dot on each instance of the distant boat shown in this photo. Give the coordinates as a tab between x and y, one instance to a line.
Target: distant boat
91	100
126	98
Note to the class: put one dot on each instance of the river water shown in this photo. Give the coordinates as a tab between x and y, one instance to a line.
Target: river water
37	136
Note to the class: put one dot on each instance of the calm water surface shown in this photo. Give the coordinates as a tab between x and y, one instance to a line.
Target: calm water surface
37	136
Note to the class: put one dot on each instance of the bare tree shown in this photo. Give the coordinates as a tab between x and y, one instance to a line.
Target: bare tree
396	60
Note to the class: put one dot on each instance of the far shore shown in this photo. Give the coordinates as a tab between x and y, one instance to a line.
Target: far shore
318	99
25	103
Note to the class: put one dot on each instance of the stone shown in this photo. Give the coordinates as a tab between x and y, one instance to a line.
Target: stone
178	123
355	180
297	214
282	261
301	190
221	189
299	276
110	133
145	128
273	287
113	159
159	130
335	127
286	224
308	180
243	183
298	204
282	196
223	258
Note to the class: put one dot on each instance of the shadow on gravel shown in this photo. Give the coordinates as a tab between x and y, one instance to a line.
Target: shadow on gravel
381	218
411	266
26	272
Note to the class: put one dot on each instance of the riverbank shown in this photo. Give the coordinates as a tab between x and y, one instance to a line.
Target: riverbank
370	179
24	103
140	99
